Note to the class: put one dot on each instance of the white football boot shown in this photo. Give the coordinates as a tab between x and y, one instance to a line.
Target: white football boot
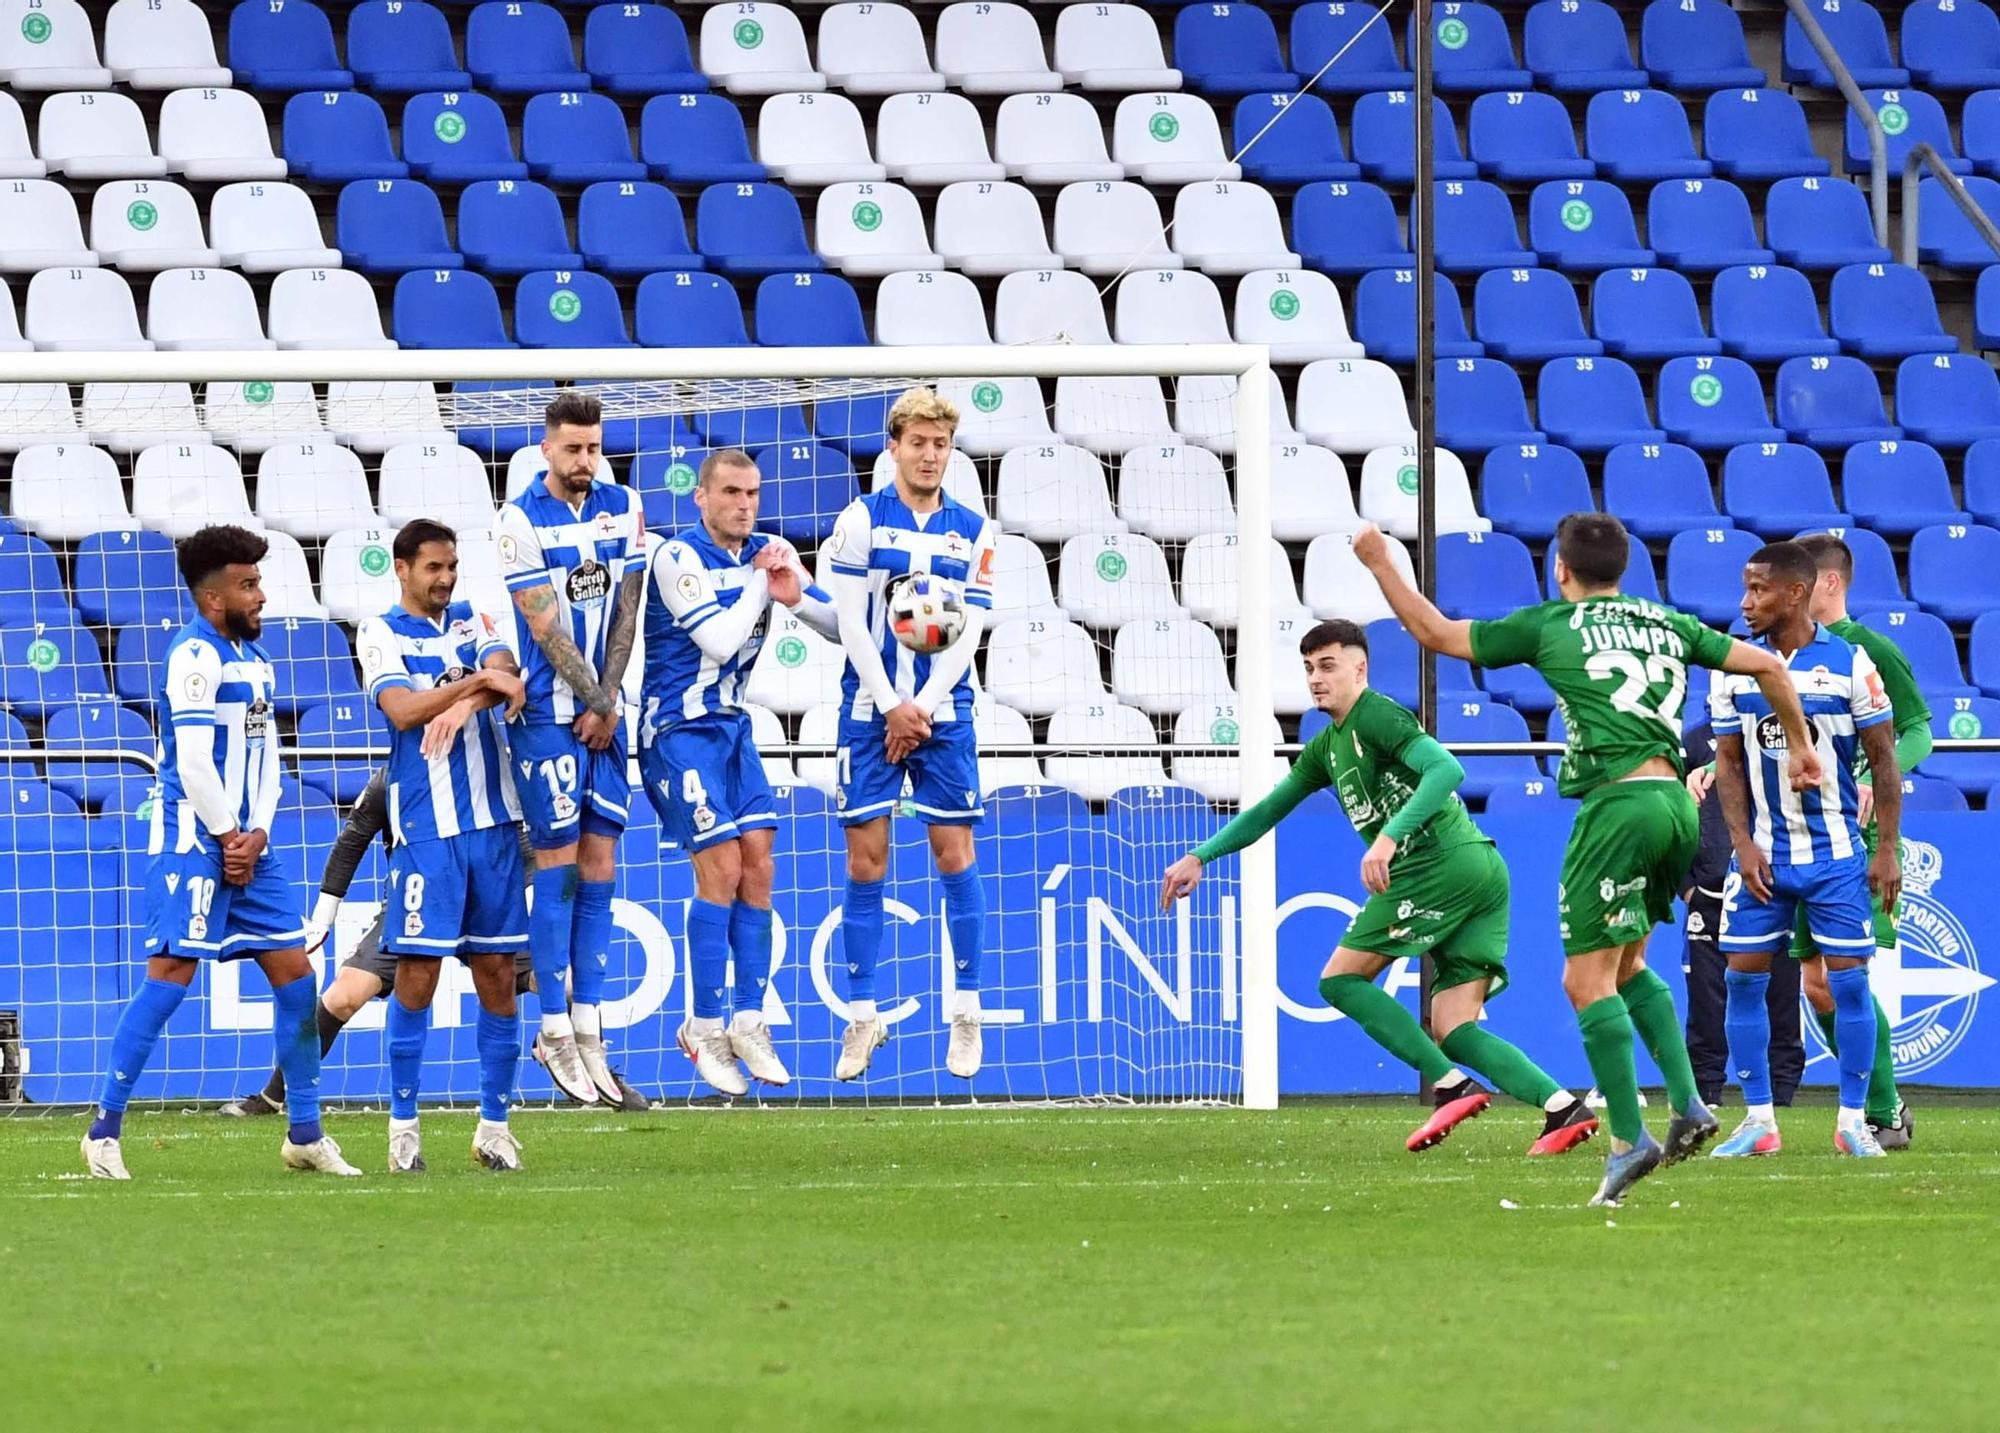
322	1156
750	1038
406	1148
597	1066
494	1146
968	1045
858	1047
559	1055
714	1058
104	1158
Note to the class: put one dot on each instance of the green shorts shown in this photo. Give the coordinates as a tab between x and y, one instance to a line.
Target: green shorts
1885	920
1628	852
1451	906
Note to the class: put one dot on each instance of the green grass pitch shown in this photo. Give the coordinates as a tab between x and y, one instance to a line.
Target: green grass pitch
993	1269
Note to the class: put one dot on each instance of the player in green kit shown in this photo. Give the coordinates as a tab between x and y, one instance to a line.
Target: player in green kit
1618	666
1888	1116
1436	886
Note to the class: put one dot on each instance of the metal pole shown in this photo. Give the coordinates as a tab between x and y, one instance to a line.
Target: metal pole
1423	240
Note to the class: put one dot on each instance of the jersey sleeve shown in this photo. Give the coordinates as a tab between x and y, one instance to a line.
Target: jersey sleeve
684	585
521	561
1723	717
853	541
979	591
1868	699
1507	641
381	659
1906	698
634	557
194	671
1706	646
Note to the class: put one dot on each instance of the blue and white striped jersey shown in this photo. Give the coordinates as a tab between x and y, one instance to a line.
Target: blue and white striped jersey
218	693
1842	695
583	553
469	787
879	538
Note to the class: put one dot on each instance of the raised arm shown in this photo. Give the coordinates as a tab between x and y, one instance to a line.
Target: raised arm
1774	680
1450	636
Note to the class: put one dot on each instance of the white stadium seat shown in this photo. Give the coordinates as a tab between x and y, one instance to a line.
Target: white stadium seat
288	587
929	306
1164	665
63	492
820	726
875	48
995	414
769	734
1230	229
1112	47
204	308
525	465
1389	493
214	135
987	228
162	45
126	417
1048	306
1297	313
357	575
1310	494
180	488
1353	405
1052	139
1174	492
313	490
933	139
264	227
814	139
993	49
446	483
251	417
481	583
1212	580
1088	727
1169	306
39	228
33	413
1205	411
1165	138
50	46
11	340
1109	228
145	225
961	479
751	47
1021	589
79	310
797	669
998	725
1112	415
1051	492
1337	585
1107	579
374	416
325	308
872	229
17	156
1036	666
96	136
1215	723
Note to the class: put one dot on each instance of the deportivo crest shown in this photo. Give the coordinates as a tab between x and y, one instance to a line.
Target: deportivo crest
413	925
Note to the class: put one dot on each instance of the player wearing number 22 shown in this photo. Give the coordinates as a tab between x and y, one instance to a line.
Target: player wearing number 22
904	715
708	604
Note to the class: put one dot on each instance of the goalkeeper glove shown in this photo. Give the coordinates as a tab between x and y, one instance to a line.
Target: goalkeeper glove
325	910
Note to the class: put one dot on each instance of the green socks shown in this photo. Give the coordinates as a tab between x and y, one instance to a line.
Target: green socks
1387	1023
1651	1005
1501	1063
1883	1098
1607	1044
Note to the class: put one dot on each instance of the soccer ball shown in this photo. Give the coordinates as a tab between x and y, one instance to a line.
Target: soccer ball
925	613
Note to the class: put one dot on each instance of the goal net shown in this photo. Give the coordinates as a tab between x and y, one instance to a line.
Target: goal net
1126	698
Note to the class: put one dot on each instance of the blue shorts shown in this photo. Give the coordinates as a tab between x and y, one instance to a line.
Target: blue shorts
192	913
943	775
457	895
707	782
566	789
1833	894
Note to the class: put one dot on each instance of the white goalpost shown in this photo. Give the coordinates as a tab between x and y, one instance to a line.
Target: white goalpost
1129	694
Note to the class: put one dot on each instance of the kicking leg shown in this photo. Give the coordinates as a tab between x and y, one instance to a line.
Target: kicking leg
145	1016
1348	985
1455	1021
861	943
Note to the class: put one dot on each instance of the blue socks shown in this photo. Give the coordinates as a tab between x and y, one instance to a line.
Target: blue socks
861	936
965	916
499	1052
406	1031
296	1031
146	1014
708	957
590	941
750	943
1854	1032
1747	1020
549	926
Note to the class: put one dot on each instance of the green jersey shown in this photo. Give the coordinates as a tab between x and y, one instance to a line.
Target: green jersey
1898	681
1362	759
1618	667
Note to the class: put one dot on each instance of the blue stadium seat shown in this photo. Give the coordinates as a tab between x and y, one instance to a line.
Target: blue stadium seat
1984	652
1855	27
663	474
137	655
1756	133
1579	46
1779	489
384	226
1895	488
1383	127
1535	794
1660	489
35	817
1928	793
1392	667
1487	721
512	227
503	425
1647	314
752	229
1886	311
47	667
1982	482
447	308
521	47
1484	574
697	139
640	50
1876	581
1712	404
31	585
627	229
1767	313
403	48
1951	44
1530	316
13	738
128	577
101	725
1520	687
1302	146
1585	225
1473	51
1986	310
458	139
1384	320
1979	131
574	138
314	662
1928	643
758	427
808	310
806	486
1945	236
1228	50
332	136
1950	400
1476	229
1705	572
1364	41
1348	228
1639	135
1690	46
858	424
346	723
1832	403
1820	224
1955	570
1701	225
1638	579
1480	405
1529	488
568	308
689	310
1524	138
1593	404
284	47
1908	118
